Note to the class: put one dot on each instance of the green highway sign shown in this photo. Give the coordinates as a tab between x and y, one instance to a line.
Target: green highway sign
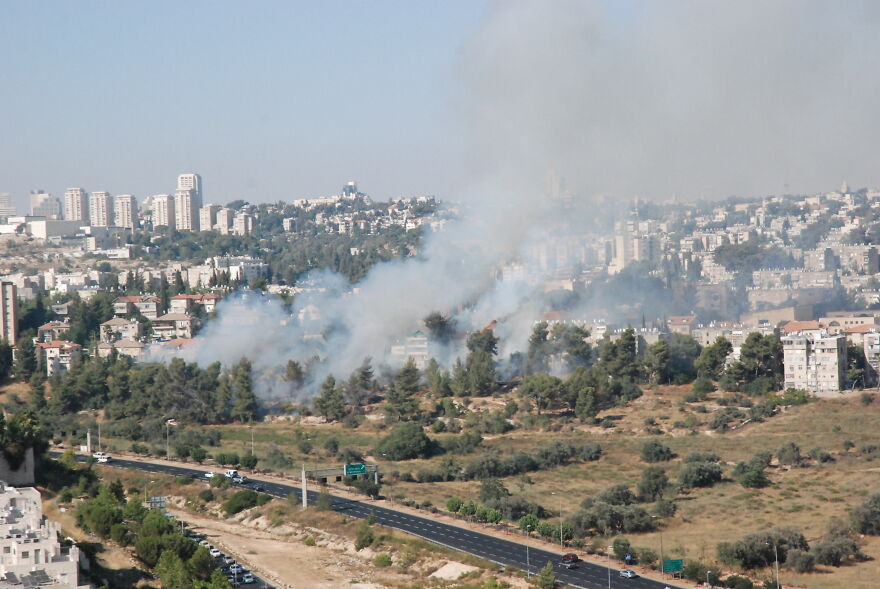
673	566
353	469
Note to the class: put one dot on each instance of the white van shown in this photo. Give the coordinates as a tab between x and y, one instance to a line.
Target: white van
101	456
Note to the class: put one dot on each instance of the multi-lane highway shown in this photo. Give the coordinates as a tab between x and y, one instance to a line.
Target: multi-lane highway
498	550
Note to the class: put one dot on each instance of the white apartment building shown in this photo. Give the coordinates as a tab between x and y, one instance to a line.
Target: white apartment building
814	361
30	552
45	205
243	224
163	211
7	209
76	205
186	209
191	182
101	209
208	217
57	357
125	211
8	312
225	218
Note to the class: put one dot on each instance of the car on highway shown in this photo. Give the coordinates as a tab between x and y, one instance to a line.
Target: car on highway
215	552
570	557
228	559
628	574
101	457
248	578
210	475
239	479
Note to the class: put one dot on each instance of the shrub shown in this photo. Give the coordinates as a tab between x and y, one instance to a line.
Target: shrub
789	453
621	547
702	457
866	517
364	536
617	495
140	449
757	549
655	451
652	484
665	508
820	455
722	419
198	454
206	495
405	442
800	561
590	452
737	582
754	479
835	549
382	560
309	541
240	501
119	533
699	474
249	461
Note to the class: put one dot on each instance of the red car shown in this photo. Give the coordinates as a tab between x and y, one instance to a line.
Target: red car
570	557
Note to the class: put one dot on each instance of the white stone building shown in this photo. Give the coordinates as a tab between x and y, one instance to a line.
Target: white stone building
814	361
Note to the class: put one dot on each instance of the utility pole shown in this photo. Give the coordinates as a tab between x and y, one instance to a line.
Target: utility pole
304	490
609	566
99	436
252	440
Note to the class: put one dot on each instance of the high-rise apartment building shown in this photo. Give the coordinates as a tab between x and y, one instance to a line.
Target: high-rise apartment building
125	211
208	217
8	312
225	218
7	209
191	182
100	209
163	211
814	361
45	205
76	205
186	209
243	224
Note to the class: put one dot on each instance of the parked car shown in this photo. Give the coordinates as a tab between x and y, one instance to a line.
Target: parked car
247	578
228	559
215	552
204	542
628	574
236	569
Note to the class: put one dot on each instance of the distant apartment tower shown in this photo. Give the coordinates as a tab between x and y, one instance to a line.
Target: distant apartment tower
6	207
814	361
243	224
191	182
8	312
45	205
76	205
208	217
100	209
125	211
186	209
163	211
224	220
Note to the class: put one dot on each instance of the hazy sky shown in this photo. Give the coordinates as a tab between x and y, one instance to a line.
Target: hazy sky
281	100
267	100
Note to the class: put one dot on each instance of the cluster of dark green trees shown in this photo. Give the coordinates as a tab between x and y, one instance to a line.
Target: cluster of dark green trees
138	398
176	560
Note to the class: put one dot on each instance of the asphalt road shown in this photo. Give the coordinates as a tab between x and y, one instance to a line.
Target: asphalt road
498	550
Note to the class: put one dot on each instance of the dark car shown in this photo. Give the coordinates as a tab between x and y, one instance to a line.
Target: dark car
570	565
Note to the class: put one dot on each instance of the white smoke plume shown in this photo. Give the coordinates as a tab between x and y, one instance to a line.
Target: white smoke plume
692	97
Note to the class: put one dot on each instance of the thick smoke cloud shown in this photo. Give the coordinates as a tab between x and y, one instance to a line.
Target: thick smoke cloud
696	98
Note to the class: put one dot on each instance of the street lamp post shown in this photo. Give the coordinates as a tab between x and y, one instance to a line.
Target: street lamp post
776	560
662	572
610	548
560	518
528	562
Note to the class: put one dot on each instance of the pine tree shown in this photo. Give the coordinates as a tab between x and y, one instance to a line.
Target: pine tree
329	403
244	408
402	400
25	358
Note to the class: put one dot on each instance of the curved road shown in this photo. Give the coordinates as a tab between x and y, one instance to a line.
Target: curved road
498	550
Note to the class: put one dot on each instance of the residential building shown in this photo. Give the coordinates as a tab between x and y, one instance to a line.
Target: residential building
100	209
131	348
683	324
225	218
53	330
173	326
814	361
871	346
164	211
415	346
191	182
7	209
125	211
147	305
243	224
208	217
186	210
45	205
118	329
31	554
57	356
8	312
76	205
184	303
